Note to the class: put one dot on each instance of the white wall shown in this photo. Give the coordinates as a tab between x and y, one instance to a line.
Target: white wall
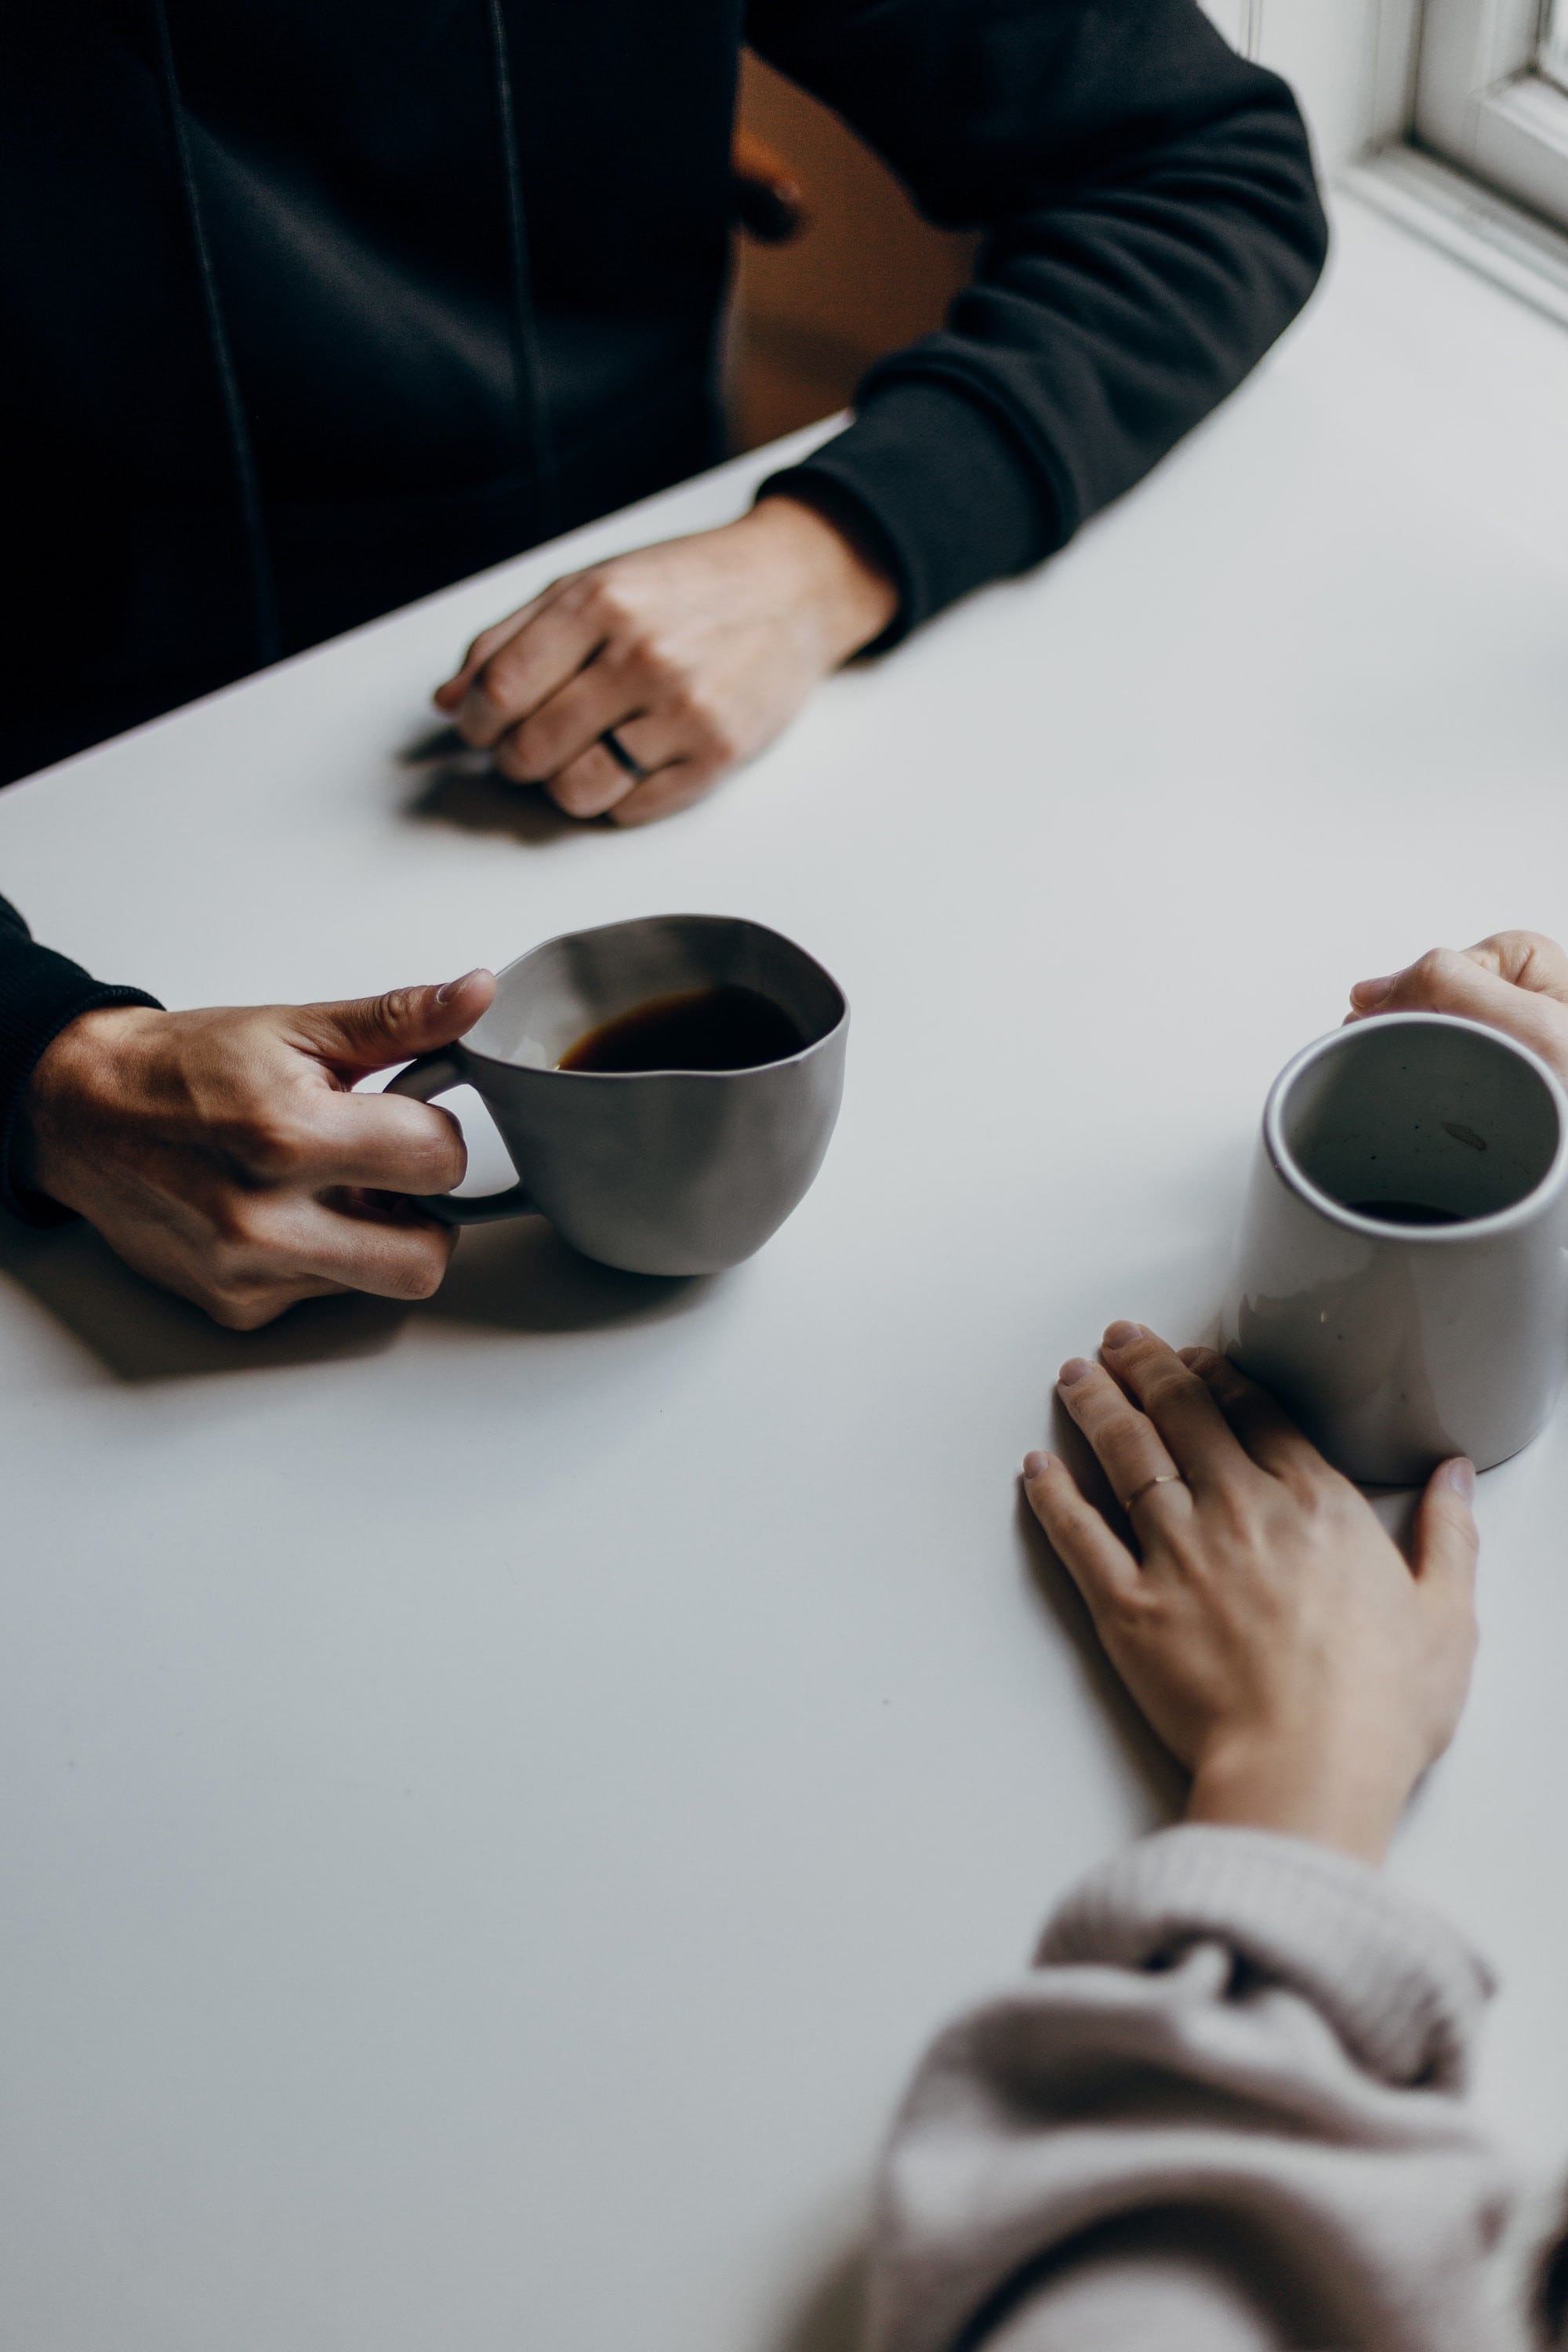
1345	58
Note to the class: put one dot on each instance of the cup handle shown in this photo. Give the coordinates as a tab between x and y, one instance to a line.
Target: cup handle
430	1075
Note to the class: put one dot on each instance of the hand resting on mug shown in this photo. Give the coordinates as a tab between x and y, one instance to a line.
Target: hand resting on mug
223	1153
1272	1634
1514	980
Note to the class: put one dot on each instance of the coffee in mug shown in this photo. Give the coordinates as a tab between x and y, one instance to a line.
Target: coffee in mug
667	1088
724	1028
1400	1279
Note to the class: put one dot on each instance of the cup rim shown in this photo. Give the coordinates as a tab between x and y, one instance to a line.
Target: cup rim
632	922
1500	1220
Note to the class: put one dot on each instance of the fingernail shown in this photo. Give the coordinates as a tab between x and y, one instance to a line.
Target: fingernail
450	988
1462	1477
1199	1359
1373	992
1121	1335
1035	1465
1077	1368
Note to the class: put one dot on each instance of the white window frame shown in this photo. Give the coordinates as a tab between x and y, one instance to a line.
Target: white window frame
1480	103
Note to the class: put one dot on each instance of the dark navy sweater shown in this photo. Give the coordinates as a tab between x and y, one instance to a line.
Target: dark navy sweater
309	307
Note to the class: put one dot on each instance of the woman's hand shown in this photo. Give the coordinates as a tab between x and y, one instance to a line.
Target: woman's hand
1269	1629
1516	981
223	1153
696	653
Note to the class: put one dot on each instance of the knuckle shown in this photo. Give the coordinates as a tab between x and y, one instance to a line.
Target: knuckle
484	685
513	757
270	1143
579	792
664	670
235	1226
1131	1606
420	1272
246	1307
1161	1379
1436	971
716	737
396	1009
617	603
1530	959
486	643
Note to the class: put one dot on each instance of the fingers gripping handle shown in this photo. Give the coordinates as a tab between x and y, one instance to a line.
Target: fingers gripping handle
432	1074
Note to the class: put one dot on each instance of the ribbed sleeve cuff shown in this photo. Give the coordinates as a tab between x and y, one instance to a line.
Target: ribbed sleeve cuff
1400	1987
40	992
936	488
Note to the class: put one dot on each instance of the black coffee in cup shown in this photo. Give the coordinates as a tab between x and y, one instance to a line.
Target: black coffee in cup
731	1040
729	1027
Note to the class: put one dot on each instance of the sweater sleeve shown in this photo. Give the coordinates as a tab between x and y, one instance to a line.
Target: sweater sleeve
40	992
1151	224
1223	2114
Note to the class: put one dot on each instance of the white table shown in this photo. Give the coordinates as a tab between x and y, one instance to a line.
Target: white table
493	1796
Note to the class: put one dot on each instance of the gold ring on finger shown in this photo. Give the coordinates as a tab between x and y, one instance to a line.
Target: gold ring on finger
1165	1478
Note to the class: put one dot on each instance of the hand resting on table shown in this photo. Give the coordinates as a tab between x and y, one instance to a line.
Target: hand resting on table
696	653
222	1153
1270	1631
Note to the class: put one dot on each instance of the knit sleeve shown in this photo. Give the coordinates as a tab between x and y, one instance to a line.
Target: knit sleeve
40	992
1151	225
1224	2113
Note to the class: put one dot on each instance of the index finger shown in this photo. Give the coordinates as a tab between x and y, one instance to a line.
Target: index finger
537	659
1201	1443
452	689
1472	984
1263	1425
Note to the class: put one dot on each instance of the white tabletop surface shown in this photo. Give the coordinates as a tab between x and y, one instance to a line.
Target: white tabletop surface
493	1797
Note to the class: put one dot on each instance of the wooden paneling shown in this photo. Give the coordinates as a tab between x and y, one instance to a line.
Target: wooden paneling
867	276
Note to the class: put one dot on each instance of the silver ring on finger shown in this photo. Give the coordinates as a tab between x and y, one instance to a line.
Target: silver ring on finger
1165	1478
623	759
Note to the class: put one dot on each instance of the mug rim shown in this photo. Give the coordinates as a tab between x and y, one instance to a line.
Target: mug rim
632	922
1499	1220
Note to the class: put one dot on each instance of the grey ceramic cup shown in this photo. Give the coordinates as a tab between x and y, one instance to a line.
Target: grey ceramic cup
661	1172
1395	1343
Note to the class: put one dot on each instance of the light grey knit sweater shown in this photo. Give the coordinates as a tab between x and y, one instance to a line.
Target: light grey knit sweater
1224	2113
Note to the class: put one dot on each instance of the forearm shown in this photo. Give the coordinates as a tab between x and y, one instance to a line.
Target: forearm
1154	224
41	993
1227	2097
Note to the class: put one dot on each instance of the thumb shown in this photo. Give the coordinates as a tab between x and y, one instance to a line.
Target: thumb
1446	1542
366	1032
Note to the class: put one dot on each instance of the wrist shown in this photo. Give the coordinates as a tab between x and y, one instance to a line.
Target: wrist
1349	1797
69	1081
852	600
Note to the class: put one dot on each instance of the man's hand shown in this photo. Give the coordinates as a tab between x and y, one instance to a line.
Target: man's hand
1267	1627
696	653
1516	982
222	1153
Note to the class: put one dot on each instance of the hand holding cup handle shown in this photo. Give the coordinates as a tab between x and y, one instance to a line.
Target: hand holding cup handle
662	1170
422	1081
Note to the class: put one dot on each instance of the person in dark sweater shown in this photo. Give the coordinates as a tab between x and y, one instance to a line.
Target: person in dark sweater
309	311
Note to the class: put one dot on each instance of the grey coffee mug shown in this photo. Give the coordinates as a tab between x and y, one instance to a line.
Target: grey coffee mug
1395	1340
660	1172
